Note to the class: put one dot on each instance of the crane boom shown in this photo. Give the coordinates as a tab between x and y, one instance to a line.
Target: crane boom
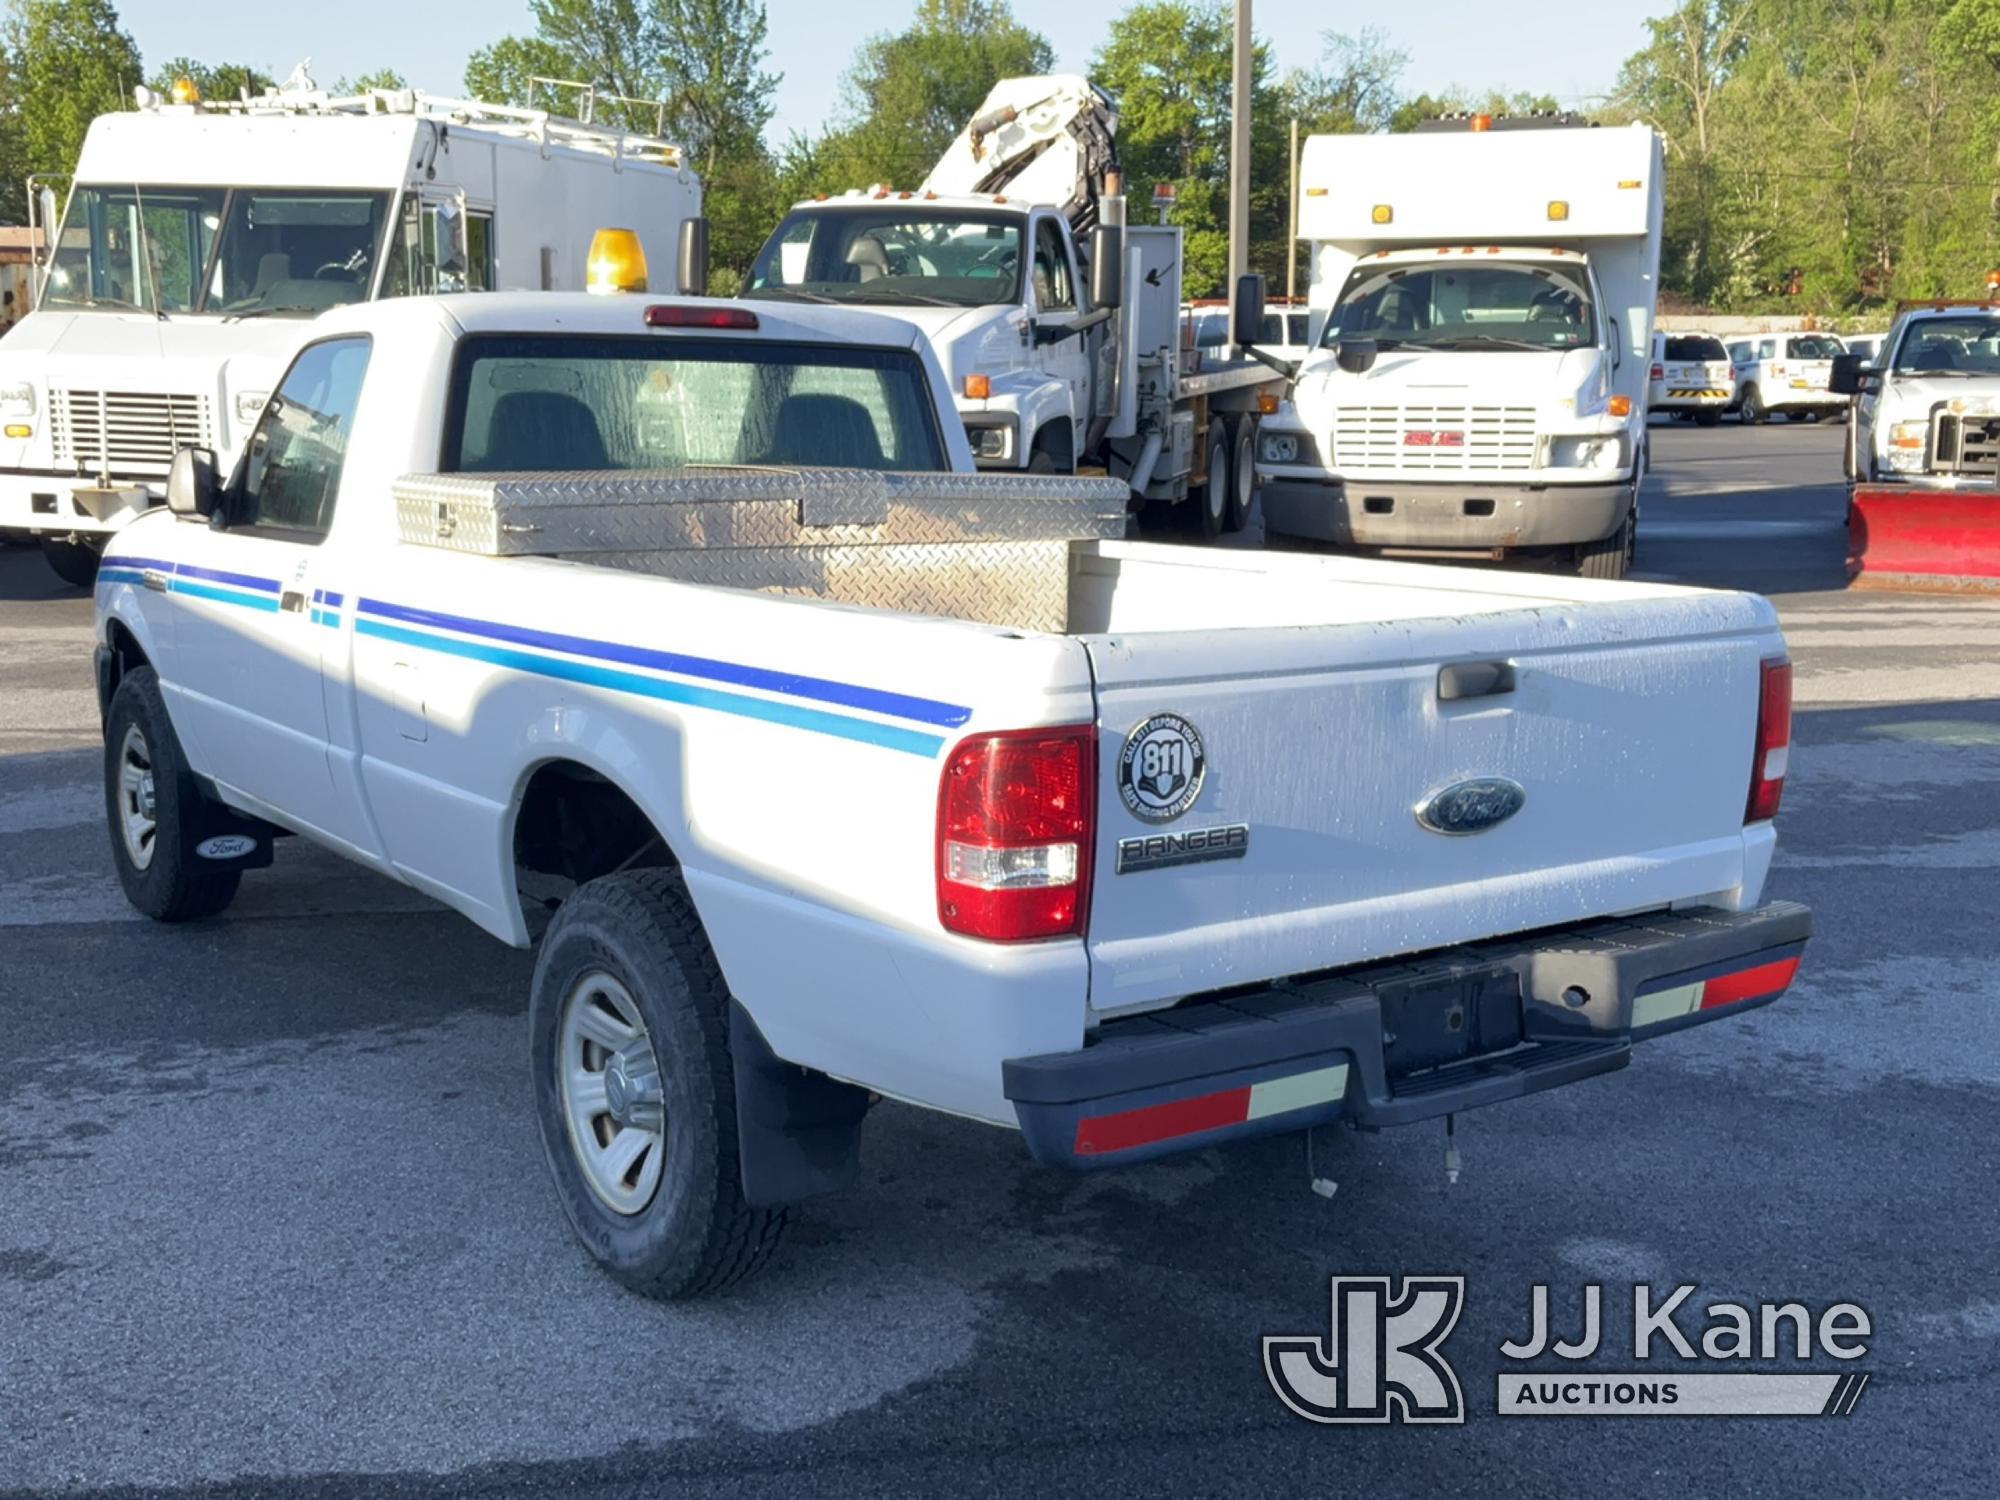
1048	139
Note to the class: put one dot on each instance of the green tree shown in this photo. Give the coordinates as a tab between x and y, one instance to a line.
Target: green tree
68	61
1169	63
909	94
381	78
220	81
701	59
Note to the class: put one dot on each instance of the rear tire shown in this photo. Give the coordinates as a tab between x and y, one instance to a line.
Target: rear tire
150	796
1611	556
1242	470
75	562
1753	412
1214	495
631	945
1041	462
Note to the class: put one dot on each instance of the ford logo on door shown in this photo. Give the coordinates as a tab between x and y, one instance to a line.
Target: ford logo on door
1472	806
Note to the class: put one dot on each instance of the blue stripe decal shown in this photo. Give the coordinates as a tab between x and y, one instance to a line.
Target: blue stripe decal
120	560
120	575
224	596
330	597
888	736
847	695
326	617
216	575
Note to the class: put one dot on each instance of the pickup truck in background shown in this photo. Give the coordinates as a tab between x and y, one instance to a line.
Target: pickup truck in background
1483	290
1927	407
818	785
1785	375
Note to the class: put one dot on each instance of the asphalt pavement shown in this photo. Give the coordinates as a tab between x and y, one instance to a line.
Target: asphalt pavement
272	1207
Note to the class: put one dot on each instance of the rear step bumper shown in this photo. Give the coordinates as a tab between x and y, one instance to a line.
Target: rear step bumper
1394	1043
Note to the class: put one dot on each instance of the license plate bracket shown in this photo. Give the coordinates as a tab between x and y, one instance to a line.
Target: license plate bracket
1433	1018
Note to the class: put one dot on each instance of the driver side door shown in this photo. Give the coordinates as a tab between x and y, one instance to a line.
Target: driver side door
1067	358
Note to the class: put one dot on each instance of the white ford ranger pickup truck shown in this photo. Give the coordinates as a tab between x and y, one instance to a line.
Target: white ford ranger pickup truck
679	639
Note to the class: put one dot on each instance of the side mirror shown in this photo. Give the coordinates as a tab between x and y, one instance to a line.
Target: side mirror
1356	356
48	225
1107	266
450	239
192	489
691	278
1845	377
1246	310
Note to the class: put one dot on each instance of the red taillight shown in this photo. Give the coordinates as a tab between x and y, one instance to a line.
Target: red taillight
1658	373
1774	741
675	315
1016	812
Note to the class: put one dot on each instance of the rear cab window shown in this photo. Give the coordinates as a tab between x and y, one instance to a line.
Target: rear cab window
1692	349
550	403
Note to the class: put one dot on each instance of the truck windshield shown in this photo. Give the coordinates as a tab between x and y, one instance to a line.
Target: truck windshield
537	404
216	250
1491	305
1943	346
1816	346
876	255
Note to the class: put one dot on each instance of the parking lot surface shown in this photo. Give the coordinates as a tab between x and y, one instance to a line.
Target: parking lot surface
272	1205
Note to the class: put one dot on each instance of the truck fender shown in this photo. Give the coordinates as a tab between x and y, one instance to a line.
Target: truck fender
798	1133
1041	403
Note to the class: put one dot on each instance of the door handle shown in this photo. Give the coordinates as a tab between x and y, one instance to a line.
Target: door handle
154	579
1475	679
293	601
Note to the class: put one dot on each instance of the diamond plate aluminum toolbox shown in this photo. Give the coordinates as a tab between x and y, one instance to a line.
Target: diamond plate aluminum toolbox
987	547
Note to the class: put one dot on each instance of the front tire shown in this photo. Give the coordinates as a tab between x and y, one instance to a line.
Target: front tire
635	1090
1214	497
150	798
1242	470
75	563
1753	412
1611	556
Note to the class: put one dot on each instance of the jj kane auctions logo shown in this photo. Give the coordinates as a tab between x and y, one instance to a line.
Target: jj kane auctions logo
1382	1358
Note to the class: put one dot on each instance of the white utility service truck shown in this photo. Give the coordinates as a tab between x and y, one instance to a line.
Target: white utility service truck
1927	407
1058	322
822	785
197	235
1479	384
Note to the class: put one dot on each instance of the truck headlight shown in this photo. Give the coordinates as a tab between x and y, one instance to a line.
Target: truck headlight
1278	447
1906	444
1588	452
250	405
17	399
991	444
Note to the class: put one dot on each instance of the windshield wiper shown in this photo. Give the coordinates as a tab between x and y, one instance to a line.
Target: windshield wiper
264	312
903	296
1482	340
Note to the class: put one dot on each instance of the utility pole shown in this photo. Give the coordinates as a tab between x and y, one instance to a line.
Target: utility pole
1239	150
1292	219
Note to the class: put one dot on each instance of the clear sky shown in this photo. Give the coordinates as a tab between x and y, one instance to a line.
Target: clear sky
1572	52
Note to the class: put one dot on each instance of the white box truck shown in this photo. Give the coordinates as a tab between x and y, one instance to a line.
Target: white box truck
1484	290
198	235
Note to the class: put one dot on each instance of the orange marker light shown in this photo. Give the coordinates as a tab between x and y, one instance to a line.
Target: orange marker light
978	387
1620	406
1482	122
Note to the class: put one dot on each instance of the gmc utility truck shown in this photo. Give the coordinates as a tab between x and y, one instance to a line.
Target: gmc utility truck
1058	322
198	235
818	785
1479	386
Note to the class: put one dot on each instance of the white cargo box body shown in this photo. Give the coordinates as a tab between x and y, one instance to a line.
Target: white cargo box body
1445	190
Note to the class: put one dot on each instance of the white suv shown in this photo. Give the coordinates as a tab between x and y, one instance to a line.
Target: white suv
1786	373
1690	377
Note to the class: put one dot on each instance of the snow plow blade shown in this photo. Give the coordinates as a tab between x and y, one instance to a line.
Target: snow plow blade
1924	540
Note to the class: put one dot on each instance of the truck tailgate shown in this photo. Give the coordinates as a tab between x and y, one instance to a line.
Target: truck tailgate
1628	728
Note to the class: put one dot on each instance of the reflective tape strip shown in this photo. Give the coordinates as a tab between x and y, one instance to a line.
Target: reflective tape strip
1749	984
1665	1005
1104	1134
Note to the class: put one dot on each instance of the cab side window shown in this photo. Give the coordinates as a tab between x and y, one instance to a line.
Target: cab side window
1768	349
291	469
1053	292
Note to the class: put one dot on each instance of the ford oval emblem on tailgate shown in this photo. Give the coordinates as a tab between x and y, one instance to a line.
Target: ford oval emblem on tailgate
1472	806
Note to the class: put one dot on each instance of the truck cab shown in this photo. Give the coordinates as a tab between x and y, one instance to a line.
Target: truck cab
197	238
1479	384
1927	408
994	283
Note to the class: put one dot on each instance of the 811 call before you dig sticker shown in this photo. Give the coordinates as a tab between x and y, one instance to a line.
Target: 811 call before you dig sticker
1161	769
